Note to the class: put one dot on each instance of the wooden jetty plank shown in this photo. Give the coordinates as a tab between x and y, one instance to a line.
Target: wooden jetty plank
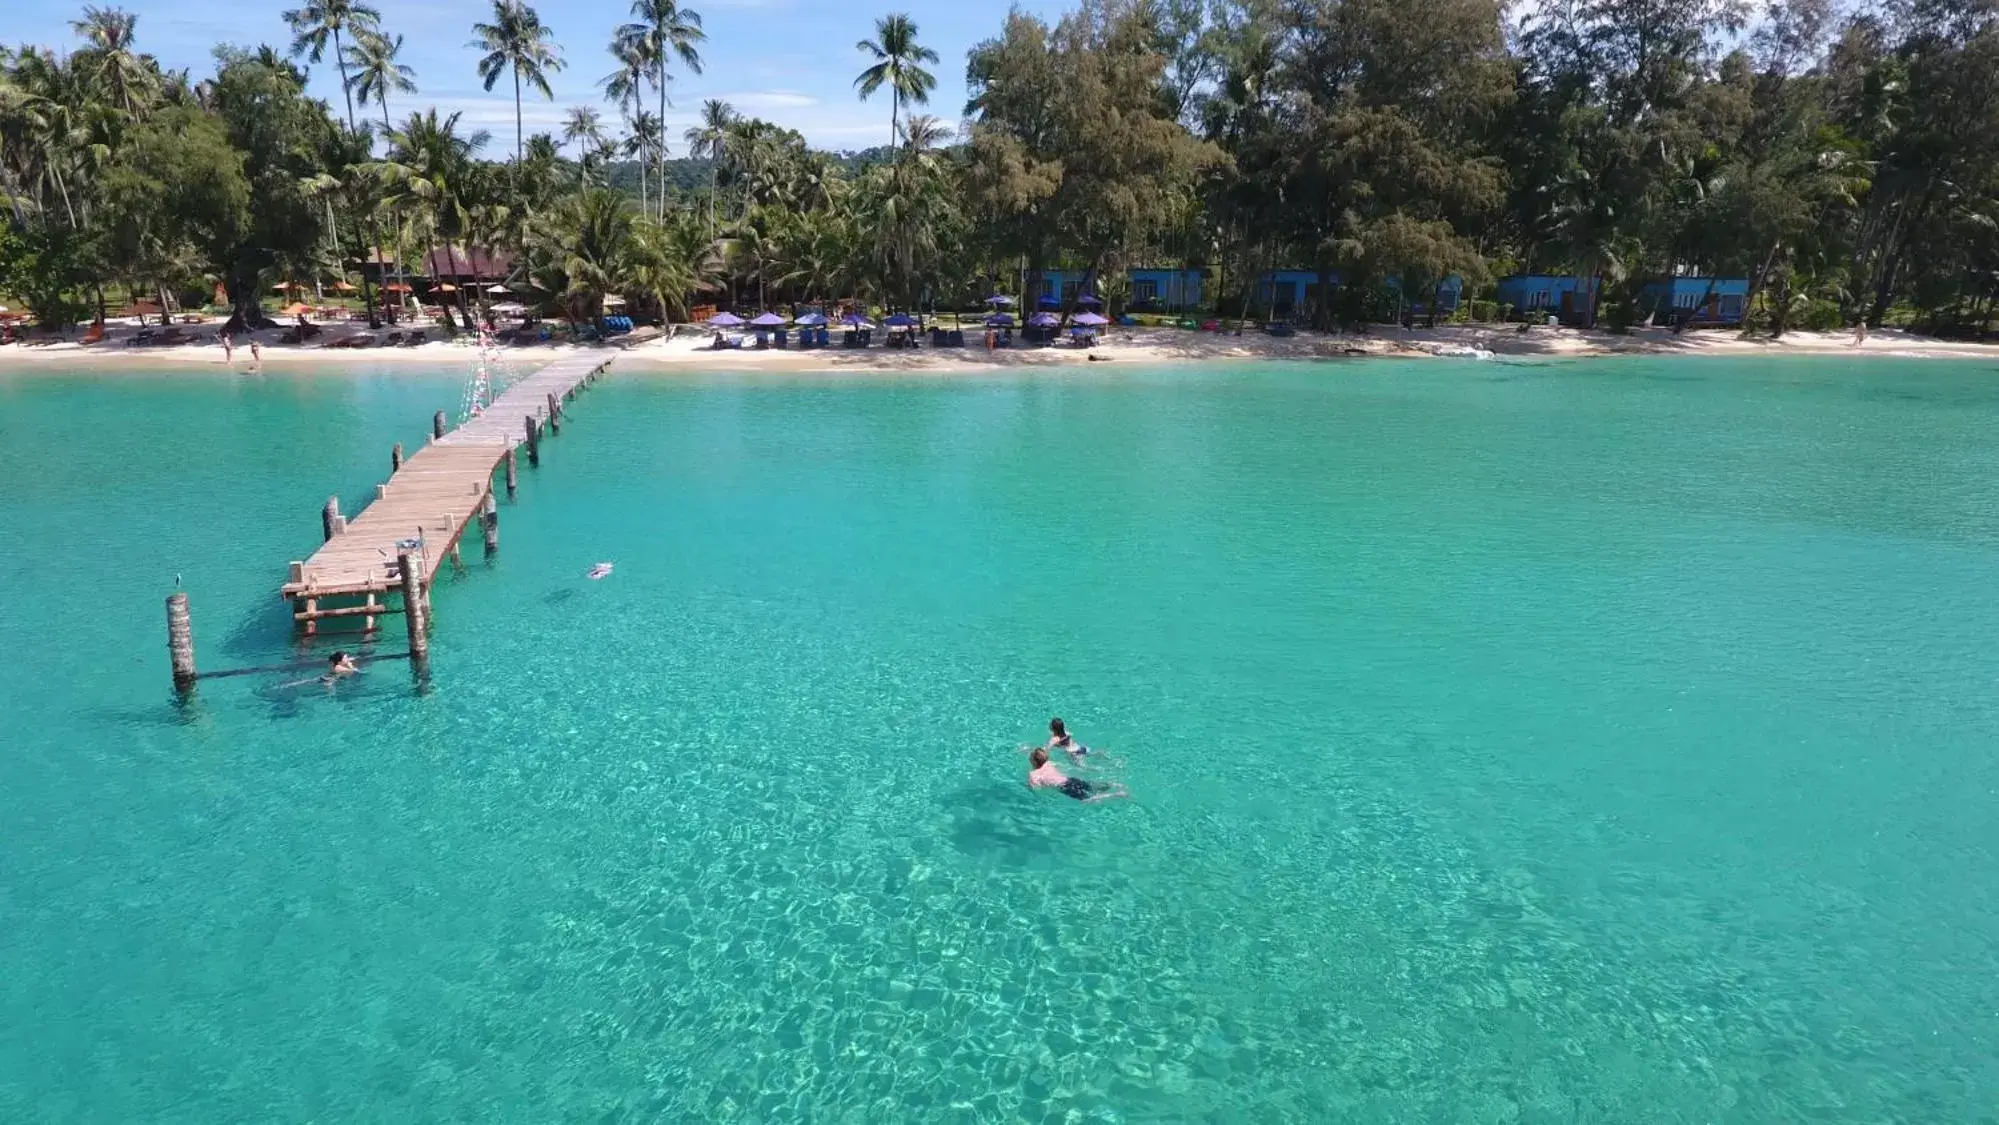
433	496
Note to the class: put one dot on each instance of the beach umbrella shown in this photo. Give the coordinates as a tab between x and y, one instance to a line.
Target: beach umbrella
1000	320
768	320
1088	299
811	320
1090	319
1000	300
282	286
1044	320
497	290
341	287
395	287
725	320
899	320
444	287
1048	303
856	320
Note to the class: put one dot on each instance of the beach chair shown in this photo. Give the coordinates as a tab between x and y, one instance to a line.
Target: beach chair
777	338
955	338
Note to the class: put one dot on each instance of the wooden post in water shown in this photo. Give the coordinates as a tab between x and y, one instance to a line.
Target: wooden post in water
180	642
396	459
554	414
330	522
437	425
490	518
510	472
534	442
415	617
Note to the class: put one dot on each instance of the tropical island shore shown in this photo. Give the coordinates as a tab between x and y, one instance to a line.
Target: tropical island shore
1149	346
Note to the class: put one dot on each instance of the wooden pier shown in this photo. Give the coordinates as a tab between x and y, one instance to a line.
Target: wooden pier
431	498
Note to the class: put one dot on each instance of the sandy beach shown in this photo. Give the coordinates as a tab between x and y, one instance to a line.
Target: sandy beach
1148	346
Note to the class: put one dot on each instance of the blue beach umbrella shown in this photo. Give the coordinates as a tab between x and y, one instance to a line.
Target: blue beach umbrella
1000	301
856	320
1048	303
1088	299
1000	320
1044	320
899	320
725	320
769	320
811	320
1090	319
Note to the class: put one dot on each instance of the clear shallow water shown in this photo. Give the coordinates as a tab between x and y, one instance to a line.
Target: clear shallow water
1588	742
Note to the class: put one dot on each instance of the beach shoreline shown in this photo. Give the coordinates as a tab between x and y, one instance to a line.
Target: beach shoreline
1146	346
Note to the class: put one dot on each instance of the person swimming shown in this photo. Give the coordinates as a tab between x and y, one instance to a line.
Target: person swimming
340	664
1060	739
1043	775
599	572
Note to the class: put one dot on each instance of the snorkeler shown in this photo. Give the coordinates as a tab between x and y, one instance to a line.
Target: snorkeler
1044	775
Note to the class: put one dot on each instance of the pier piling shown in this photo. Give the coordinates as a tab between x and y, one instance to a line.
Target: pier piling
330	521
534	442
554	414
437	424
490	520
396	459
510	472
416	616
180	642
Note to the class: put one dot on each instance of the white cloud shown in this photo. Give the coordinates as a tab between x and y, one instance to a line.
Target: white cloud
759	100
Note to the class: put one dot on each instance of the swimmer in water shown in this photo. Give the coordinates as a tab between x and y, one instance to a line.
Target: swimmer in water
1060	739
340	664
600	571
1044	775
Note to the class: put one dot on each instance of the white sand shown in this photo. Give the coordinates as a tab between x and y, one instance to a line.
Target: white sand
1141	346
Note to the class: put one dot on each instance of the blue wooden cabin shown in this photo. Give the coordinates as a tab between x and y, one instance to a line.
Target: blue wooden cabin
1697	300
1537	295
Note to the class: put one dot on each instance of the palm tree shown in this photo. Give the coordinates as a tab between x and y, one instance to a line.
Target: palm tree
646	138
625	88
898	57
661	28
710	140
584	128
428	166
517	41
924	132
377	73
126	79
322	20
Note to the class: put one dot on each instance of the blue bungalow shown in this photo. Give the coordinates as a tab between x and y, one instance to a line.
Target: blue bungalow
1536	295
1163	290
1699	300
1282	293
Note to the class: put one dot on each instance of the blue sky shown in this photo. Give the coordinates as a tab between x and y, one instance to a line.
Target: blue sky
788	61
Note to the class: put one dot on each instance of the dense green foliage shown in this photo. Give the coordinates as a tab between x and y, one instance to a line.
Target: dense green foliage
1844	162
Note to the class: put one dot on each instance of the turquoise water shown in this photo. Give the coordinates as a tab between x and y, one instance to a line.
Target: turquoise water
1590	742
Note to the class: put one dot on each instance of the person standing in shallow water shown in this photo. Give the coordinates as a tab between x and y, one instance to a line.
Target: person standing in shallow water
1042	774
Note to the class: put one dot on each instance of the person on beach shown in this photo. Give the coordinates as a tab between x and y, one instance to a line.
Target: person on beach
228	349
1860	332
1042	774
256	353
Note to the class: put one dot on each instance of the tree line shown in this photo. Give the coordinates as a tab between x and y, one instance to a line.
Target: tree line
1846	162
